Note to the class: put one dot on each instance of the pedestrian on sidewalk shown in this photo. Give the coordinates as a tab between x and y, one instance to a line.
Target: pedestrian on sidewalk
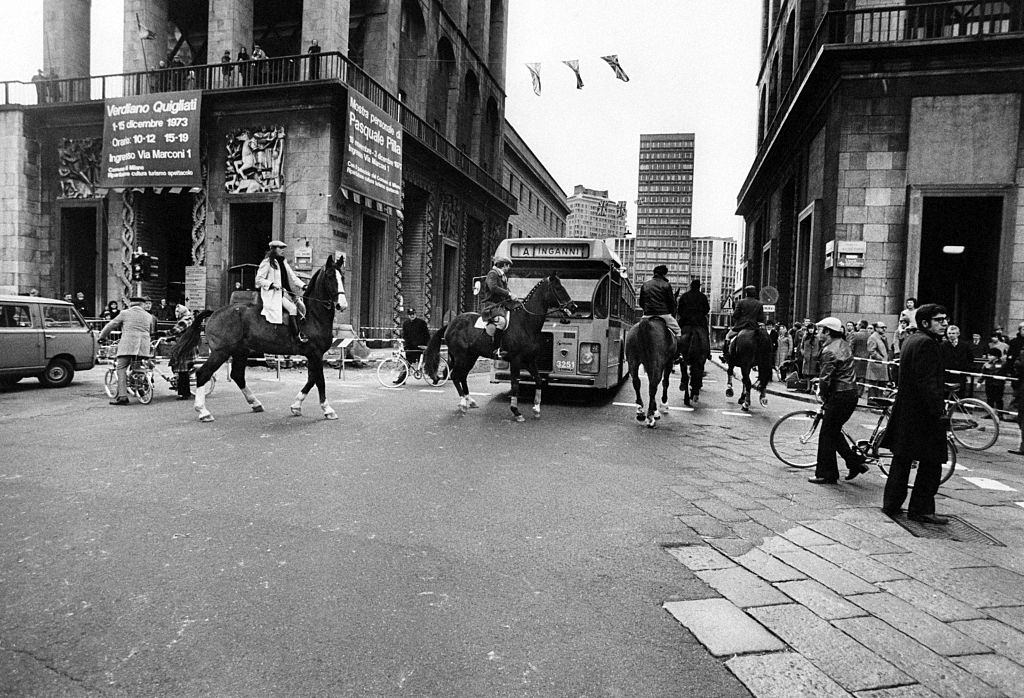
918	424
837	388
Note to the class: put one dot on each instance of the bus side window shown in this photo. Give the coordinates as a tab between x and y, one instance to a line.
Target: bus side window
601	299
615	306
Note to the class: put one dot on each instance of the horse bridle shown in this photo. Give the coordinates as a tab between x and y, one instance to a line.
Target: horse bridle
325	302
560	309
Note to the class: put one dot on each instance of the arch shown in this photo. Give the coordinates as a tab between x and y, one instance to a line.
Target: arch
443	82
469	107
412	50
489	140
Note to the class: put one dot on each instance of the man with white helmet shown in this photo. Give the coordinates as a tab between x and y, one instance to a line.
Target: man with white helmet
837	387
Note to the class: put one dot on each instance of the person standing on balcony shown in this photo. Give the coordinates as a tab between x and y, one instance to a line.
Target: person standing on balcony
314	60
244	69
260	63
226	68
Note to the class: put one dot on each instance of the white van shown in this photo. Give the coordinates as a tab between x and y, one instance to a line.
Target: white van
43	337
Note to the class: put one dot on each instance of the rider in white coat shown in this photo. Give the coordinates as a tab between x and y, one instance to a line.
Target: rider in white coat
273	278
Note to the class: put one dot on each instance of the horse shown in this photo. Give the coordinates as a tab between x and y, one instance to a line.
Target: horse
651	344
744	353
234	331
691	364
521	341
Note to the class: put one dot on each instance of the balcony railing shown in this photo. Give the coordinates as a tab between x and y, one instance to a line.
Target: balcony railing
331	66
935	21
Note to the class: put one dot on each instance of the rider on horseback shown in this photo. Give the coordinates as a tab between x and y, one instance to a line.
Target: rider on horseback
693	312
658	300
748	315
273	278
496	298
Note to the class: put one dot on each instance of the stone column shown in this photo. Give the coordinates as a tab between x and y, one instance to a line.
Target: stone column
66	37
327	22
145	54
496	47
230	28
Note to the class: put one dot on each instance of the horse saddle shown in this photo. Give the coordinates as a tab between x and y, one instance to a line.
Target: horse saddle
500	320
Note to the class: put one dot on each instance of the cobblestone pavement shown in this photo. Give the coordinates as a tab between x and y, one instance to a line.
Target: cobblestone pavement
812	591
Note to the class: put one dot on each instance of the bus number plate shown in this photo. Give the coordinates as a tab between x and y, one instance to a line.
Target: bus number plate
565	365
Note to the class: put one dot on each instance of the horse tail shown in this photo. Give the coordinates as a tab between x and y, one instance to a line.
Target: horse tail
432	356
189	339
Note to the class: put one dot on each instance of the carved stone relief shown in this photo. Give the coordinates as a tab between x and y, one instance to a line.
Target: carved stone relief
254	160
79	167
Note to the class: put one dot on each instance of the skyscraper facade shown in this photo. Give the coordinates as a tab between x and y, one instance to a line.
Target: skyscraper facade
593	215
665	204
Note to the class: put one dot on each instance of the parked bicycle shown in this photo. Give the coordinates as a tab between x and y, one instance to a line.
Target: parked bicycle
794	440
396	369
972	422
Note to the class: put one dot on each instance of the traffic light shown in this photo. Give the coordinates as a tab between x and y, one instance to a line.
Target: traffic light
153	268
138	269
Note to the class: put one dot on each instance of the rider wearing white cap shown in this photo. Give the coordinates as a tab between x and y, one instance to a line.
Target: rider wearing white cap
837	387
274	277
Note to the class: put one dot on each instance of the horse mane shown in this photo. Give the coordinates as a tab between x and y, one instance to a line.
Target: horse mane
537	285
312	284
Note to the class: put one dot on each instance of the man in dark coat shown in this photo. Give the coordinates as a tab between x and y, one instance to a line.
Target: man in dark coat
917	427
314	60
496	297
415	334
748	315
859	347
956	356
692	311
658	300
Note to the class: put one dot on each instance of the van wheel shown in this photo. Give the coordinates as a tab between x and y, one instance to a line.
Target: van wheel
58	374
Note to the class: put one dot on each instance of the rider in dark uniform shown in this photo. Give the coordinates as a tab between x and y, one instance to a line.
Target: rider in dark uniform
692	311
496	297
748	315
657	299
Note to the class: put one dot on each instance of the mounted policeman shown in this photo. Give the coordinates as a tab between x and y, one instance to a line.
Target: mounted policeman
748	315
281	290
658	300
495	301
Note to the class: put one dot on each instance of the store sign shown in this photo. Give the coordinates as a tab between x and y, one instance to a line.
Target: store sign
526	250
195	287
372	160
152	140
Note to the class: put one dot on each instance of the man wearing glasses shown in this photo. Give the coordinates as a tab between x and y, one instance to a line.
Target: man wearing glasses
917	427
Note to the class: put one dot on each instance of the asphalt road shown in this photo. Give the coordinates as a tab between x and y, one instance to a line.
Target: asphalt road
401	550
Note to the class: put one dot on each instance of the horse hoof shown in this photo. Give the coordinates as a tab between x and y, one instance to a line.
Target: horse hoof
520	418
257	408
745	407
331	415
640	417
296	411
473	405
728	392
651	423
206	418
686	401
764	402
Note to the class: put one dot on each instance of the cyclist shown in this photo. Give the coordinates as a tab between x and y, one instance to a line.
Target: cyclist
837	387
137	328
415	334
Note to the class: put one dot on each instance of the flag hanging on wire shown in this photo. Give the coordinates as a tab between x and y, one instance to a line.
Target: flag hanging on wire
613	61
574	66
535	75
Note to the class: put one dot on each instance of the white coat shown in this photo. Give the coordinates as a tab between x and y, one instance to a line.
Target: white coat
268	281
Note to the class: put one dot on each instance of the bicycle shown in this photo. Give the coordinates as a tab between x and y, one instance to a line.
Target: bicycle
972	422
394	371
140	382
794	440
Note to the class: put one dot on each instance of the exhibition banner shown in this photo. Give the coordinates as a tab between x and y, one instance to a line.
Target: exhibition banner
152	140
372	161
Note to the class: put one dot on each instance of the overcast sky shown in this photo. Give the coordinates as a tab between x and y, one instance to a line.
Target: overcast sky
692	65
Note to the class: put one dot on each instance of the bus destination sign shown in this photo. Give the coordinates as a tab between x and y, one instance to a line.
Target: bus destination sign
548	250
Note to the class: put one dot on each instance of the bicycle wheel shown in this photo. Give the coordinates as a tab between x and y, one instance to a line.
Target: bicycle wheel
794	438
442	373
885	460
392	372
974	424
144	387
110	383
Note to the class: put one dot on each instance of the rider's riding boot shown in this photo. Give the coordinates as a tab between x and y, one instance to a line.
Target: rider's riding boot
296	332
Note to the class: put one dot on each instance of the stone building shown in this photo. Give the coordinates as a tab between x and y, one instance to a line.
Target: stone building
594	215
542	209
271	145
889	159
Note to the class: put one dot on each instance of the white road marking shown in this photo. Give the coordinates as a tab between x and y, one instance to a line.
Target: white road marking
736	414
989	484
431	390
481	394
662	407
1020	504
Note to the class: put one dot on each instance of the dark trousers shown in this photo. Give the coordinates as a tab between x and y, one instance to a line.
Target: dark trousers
926	484
838	411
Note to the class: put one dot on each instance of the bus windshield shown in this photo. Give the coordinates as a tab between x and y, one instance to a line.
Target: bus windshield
580	285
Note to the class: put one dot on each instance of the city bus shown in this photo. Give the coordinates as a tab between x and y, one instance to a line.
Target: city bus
586	349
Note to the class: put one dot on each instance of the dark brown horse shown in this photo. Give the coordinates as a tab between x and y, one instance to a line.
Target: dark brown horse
649	343
236	330
521	341
691	364
747	352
